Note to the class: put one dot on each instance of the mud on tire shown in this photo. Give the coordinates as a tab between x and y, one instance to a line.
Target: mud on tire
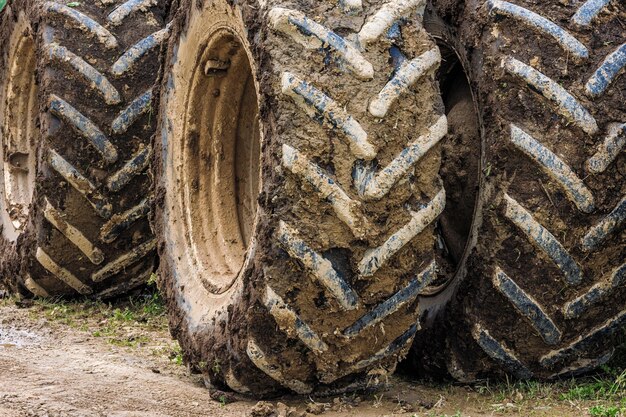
545	294
75	105
298	188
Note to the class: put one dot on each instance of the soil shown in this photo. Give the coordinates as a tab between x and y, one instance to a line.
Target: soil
51	365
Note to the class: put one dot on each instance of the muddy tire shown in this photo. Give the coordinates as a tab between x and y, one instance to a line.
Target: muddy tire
545	294
298	189
75	105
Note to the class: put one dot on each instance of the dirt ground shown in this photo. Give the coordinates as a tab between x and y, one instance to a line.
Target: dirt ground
95	359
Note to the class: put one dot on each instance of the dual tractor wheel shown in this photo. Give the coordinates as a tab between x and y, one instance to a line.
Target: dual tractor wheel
333	180
76	123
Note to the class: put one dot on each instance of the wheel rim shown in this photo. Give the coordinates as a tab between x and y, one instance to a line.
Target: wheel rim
19	133
221	160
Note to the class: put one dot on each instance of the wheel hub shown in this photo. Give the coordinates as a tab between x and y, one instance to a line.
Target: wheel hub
19	131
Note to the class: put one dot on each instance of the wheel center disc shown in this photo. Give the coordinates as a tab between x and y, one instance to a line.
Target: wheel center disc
19	133
221	160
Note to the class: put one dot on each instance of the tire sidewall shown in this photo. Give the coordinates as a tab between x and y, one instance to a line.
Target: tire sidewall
210	326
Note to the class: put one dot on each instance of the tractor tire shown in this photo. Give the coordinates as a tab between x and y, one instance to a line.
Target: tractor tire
297	187
75	106
545	292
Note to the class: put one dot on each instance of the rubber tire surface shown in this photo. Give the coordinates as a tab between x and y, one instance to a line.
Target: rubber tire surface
321	300
545	294
87	231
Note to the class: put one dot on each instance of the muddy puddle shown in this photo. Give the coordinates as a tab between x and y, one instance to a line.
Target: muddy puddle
13	337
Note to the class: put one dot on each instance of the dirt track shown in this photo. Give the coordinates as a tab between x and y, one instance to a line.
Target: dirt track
54	362
60	371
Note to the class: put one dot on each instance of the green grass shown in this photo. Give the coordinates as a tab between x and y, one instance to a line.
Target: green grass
607	411
132	322
176	355
609	390
123	322
610	385
604	395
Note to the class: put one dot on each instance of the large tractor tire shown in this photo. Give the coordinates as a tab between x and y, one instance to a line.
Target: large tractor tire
545	293
298	189
76	124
